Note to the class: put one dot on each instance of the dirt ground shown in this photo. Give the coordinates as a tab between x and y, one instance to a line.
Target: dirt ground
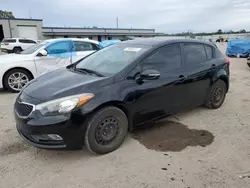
213	151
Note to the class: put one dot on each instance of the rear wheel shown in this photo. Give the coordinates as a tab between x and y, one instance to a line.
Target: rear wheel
106	130
16	79
17	50
216	95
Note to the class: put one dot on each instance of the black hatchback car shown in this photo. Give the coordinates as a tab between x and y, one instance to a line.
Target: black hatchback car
96	100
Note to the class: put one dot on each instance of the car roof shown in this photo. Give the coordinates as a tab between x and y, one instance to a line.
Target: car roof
75	39
159	41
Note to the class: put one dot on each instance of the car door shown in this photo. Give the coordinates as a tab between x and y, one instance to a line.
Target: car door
199	68
157	98
82	49
59	55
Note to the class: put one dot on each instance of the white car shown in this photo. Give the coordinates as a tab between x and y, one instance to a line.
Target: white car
18	69
16	45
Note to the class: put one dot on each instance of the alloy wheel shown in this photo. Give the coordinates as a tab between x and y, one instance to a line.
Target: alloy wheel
17	81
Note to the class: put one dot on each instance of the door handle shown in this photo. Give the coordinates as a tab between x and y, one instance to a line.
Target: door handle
182	78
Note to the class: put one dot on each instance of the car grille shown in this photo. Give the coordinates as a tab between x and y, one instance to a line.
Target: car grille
23	109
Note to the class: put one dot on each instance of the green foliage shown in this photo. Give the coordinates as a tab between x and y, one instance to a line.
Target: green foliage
219	32
6	14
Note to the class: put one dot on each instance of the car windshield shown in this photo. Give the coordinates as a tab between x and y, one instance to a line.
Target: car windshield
33	48
111	60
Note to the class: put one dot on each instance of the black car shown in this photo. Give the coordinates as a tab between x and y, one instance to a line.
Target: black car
98	99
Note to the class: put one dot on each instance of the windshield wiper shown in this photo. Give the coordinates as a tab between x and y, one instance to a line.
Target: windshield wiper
89	71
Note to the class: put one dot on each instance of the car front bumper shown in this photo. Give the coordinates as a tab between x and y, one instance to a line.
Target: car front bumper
36	128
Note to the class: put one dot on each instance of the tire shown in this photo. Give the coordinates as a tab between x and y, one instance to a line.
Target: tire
96	136
216	95
7	79
17	50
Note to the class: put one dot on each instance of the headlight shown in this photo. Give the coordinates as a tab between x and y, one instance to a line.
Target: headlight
63	105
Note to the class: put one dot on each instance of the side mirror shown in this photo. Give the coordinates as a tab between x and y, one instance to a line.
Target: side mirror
150	75
42	53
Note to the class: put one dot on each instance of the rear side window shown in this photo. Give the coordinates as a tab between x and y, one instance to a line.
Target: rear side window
218	53
9	40
209	51
83	46
194	53
27	41
59	47
165	59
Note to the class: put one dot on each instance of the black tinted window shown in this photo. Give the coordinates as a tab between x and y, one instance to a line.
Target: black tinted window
165	59
209	51
9	40
83	46
194	53
27	41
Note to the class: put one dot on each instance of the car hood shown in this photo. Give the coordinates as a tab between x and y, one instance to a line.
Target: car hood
64	82
14	57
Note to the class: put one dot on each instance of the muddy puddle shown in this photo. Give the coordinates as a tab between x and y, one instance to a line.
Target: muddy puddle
171	136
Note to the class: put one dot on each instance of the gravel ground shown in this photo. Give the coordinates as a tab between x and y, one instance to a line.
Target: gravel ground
215	161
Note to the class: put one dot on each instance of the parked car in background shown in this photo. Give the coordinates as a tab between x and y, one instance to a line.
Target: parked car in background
18	69
99	98
16	45
107	43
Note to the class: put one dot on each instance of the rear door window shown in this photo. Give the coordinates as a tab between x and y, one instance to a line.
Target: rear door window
83	46
164	59
27	41
194	53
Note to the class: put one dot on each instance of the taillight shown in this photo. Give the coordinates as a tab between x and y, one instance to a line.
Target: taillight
6	44
227	61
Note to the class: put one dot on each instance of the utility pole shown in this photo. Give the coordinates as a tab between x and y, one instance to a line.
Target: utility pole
30	14
117	22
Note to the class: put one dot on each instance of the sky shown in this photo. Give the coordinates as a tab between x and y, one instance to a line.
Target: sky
168	16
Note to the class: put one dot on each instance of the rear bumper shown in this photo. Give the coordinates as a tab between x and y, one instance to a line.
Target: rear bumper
6	50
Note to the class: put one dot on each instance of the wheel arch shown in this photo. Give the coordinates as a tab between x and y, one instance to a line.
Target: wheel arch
22	68
225	79
222	75
122	106
17	47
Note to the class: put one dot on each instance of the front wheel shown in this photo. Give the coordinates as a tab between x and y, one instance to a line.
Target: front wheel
16	79
217	95
106	130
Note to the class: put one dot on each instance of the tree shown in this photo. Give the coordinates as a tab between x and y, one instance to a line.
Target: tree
219	31
6	14
243	31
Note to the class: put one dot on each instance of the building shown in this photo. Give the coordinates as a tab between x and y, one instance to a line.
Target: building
19	27
32	28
